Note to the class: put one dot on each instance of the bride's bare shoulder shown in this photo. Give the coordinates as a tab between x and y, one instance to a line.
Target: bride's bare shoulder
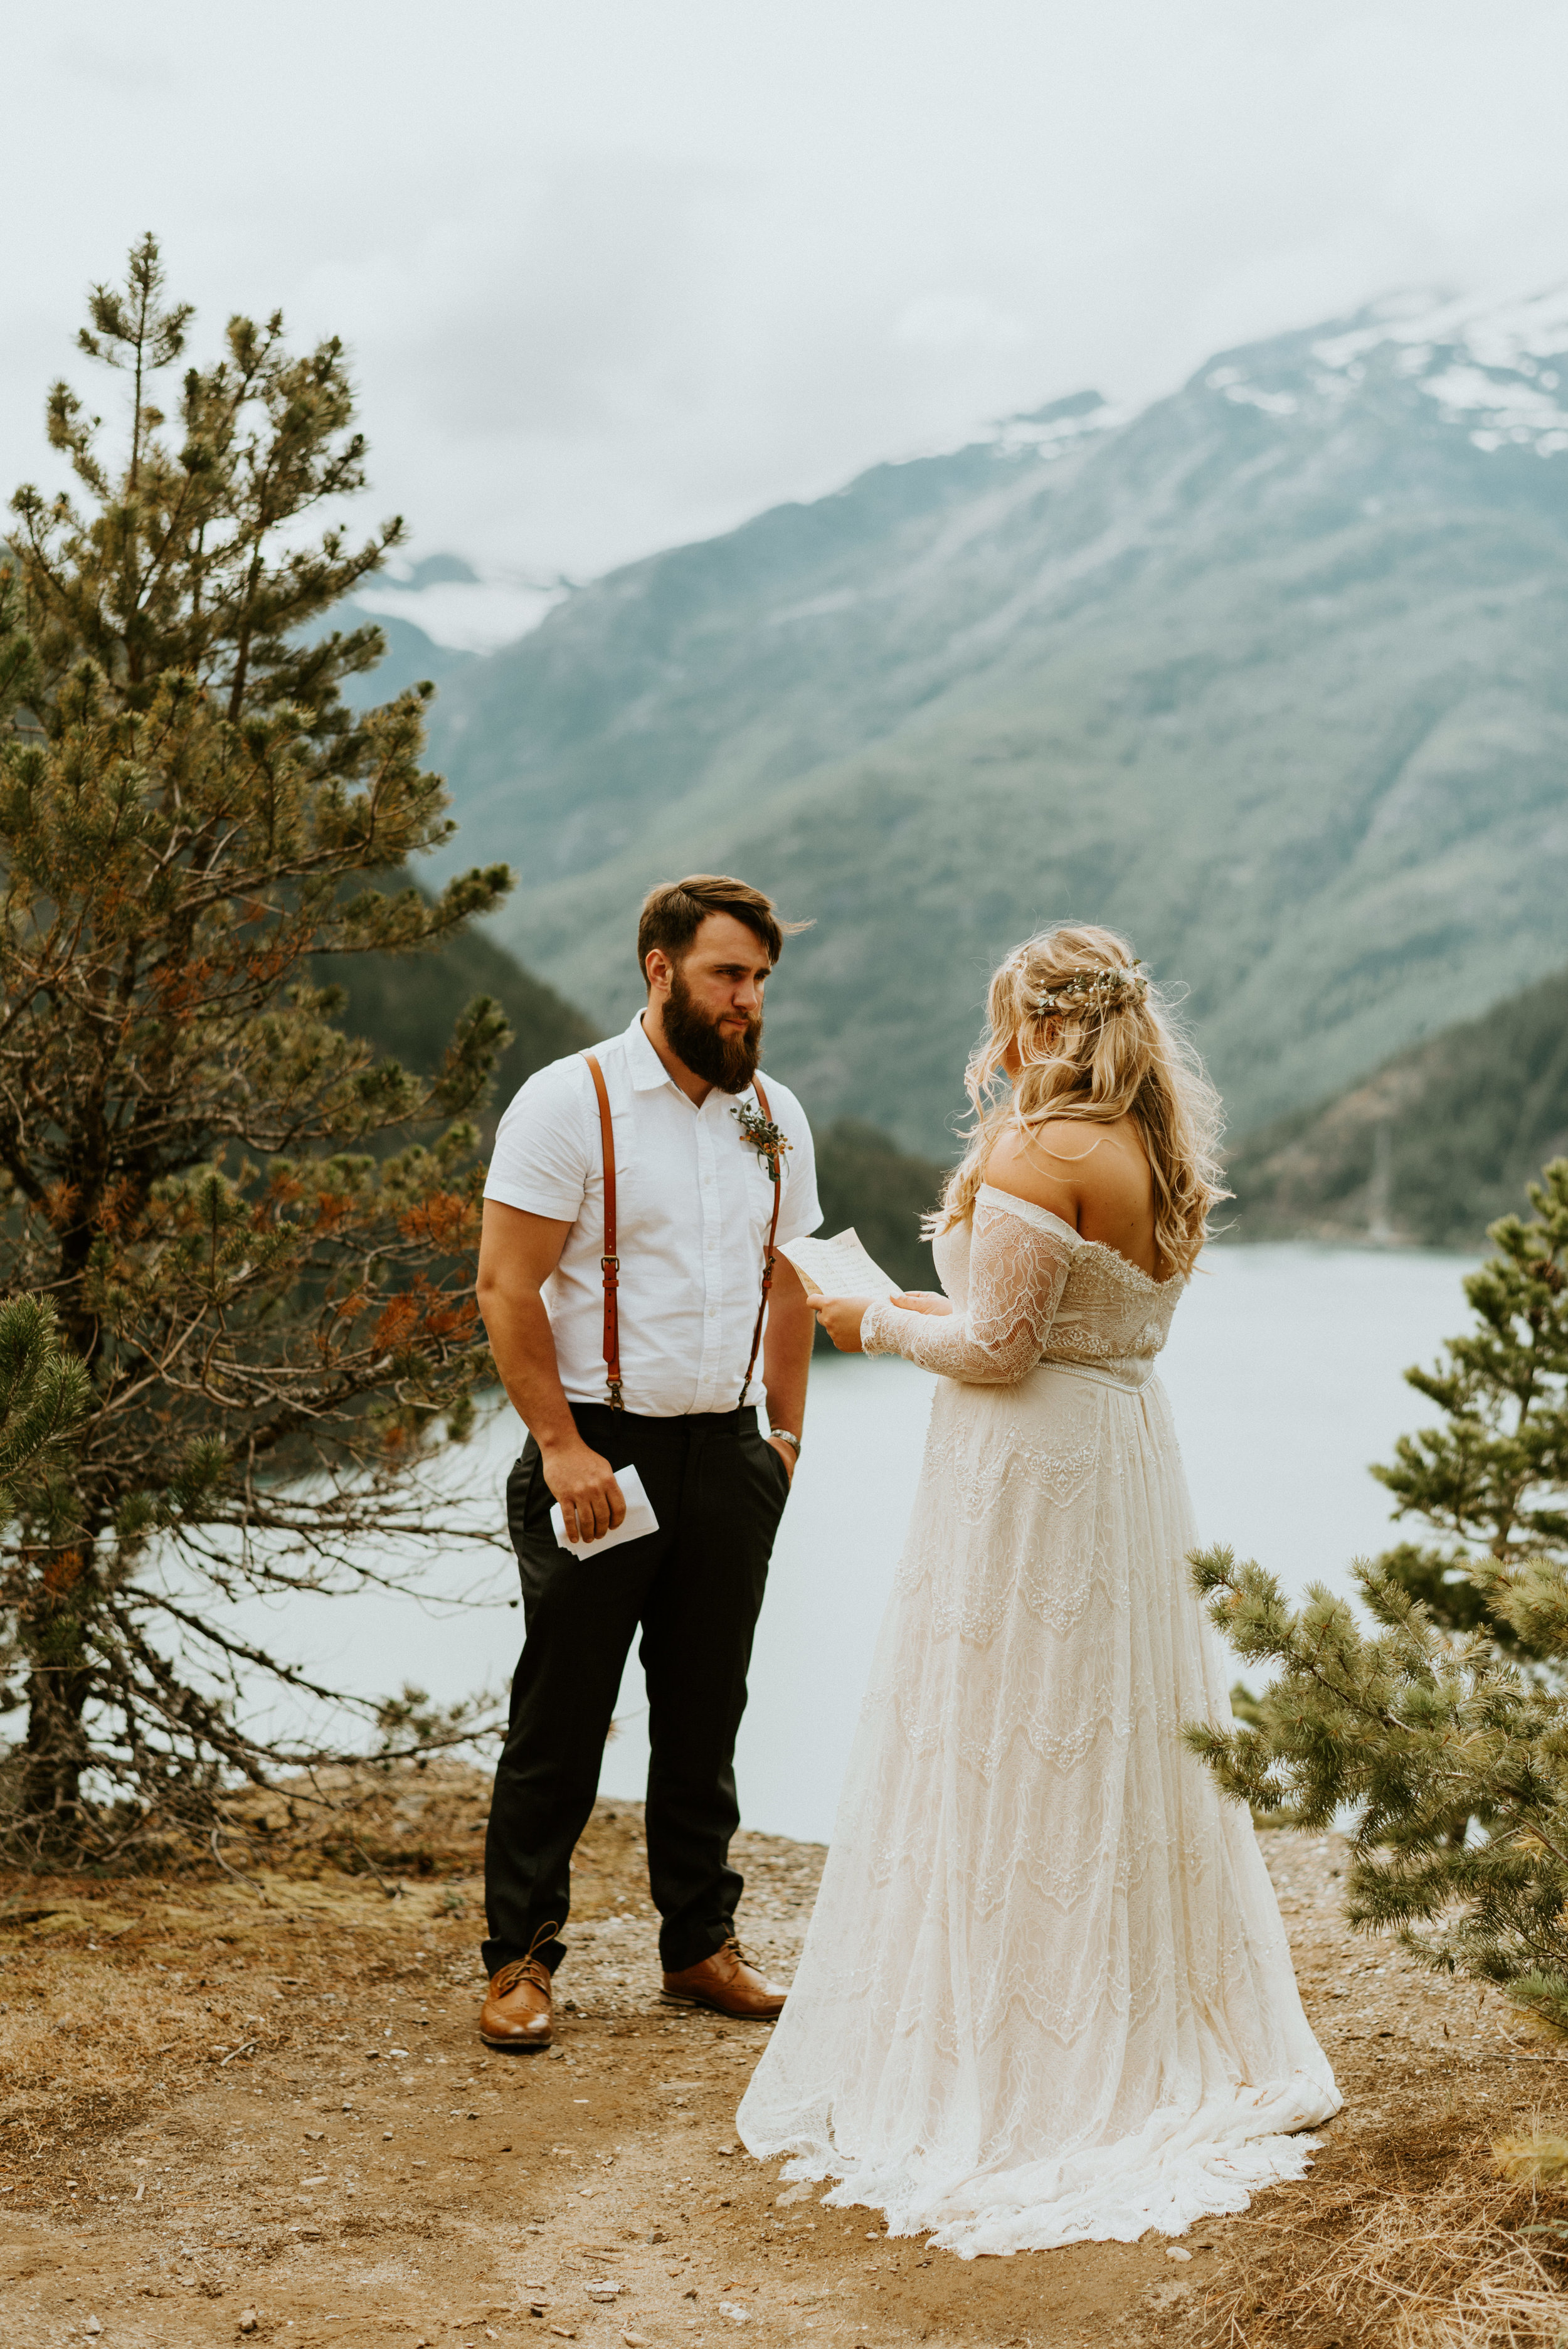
1044	1167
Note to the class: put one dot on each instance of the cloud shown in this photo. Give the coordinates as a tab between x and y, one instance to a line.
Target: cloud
615	275
947	322
116	66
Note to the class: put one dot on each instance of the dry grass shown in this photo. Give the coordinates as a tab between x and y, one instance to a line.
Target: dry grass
111	1987
1469	2264
147	2023
1539	2159
390	1824
107	1993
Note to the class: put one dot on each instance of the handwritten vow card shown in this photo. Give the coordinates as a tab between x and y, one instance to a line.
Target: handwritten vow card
638	1520
839	1268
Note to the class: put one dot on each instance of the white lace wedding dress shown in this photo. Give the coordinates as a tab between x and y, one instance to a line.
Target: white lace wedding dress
1046	1996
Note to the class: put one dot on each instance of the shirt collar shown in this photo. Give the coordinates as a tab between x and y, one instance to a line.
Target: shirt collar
648	1071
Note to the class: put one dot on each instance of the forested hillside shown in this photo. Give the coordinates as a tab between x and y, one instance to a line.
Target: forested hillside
1270	674
1434	1146
865	1181
406	1005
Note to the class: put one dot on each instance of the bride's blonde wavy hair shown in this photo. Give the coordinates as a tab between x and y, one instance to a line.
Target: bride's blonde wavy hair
1095	1039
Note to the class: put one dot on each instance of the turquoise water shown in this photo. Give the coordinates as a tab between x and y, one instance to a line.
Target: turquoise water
1284	1369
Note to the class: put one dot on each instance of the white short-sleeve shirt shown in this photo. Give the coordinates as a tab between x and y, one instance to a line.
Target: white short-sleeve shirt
692	1205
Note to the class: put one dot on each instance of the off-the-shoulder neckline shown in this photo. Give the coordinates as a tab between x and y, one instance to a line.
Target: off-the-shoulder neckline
1028	1208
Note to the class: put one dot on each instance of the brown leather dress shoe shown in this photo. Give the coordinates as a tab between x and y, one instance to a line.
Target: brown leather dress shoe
516	2012
727	1984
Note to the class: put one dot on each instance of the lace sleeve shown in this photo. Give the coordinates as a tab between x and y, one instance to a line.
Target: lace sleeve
1018	1270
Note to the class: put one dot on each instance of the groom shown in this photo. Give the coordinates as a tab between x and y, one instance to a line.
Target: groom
631	1340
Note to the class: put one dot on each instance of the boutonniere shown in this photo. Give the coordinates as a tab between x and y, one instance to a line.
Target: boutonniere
764	1136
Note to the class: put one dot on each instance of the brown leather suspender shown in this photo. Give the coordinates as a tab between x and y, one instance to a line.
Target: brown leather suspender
610	1263
769	1254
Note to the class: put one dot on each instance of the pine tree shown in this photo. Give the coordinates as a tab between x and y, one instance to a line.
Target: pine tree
42	1394
256	1242
1443	1731
44	1391
1493	1482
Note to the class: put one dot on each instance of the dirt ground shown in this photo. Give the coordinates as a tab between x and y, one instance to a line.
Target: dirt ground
258	2110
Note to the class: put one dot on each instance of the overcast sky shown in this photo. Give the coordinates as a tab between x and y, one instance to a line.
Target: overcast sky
618	273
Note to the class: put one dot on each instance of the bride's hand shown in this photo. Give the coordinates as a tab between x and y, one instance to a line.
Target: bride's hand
841	1316
922	1300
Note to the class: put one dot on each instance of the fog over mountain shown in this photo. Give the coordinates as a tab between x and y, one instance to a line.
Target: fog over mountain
1269	673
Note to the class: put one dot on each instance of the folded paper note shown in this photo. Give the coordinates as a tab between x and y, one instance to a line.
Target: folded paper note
839	1268
638	1520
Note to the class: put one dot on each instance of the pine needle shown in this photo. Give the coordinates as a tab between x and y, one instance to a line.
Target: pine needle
1537	2159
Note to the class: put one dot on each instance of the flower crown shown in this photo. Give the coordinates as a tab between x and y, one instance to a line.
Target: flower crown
1105	990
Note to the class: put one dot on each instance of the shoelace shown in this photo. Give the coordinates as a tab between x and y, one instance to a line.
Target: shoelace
535	1968
519	1970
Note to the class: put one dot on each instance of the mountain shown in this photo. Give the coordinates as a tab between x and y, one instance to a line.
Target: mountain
865	1181
1435	1145
410	656
408	1004
1268	673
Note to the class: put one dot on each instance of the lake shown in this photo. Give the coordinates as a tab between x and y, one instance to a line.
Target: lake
1284	1369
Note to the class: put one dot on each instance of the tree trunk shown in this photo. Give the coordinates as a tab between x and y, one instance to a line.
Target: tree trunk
55	1751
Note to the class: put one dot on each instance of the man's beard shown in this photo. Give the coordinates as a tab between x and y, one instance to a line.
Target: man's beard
727	1061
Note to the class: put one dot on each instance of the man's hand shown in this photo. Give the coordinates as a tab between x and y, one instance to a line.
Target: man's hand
591	1501
786	1452
841	1316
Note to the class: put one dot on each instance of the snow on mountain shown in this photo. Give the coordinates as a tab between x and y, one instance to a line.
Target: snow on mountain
1052	431
1496	367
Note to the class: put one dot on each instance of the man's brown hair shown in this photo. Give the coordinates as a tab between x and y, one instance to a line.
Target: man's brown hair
673	913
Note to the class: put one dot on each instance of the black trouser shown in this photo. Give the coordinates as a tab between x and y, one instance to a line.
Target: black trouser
695	1587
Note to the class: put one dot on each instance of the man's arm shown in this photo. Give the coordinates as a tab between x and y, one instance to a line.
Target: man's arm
787	1353
517	1253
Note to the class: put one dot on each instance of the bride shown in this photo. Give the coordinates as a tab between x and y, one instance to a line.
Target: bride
1046	1996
